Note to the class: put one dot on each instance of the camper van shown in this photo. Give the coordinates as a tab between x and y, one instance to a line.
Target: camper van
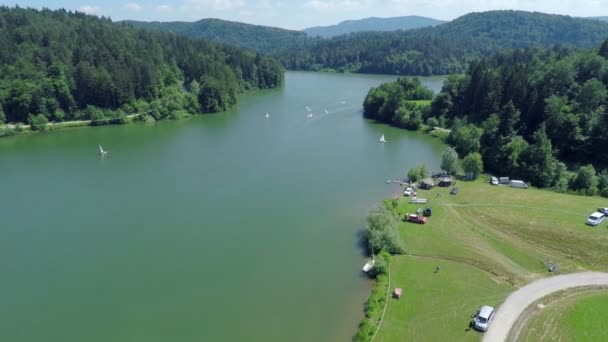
518	184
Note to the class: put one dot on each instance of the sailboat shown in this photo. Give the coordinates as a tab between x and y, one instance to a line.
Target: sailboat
101	151
368	266
308	109
267	115
309	115
382	139
326	112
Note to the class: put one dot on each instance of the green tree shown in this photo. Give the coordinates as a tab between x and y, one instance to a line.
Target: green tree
2	116
586	181
381	232
417	173
539	161
38	122
604	49
449	161
473	164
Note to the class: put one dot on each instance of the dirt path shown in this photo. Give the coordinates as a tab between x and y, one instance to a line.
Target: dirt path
518	301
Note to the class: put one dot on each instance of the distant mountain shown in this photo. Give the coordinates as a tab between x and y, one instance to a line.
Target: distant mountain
262	39
373	24
446	48
598	18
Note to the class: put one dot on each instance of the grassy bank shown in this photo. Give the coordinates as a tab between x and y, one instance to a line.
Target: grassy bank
487	240
577	317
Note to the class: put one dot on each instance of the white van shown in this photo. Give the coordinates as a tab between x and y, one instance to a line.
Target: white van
482	318
518	184
595	219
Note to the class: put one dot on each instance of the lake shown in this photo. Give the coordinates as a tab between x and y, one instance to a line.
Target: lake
225	227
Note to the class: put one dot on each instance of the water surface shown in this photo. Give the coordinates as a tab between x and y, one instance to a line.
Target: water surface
227	227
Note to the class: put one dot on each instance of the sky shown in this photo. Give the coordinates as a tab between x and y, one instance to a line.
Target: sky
306	13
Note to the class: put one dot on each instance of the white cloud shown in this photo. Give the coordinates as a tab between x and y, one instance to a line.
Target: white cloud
319	4
89	9
220	5
349	5
163	8
133	6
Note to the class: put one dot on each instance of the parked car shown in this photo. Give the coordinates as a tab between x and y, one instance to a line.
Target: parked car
595	219
518	184
482	318
415	218
603	210
493	181
408	192
428	211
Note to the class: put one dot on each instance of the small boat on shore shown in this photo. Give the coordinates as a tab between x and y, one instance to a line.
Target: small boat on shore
368	266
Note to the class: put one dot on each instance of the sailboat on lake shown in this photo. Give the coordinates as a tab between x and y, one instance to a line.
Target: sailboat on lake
382	139
101	151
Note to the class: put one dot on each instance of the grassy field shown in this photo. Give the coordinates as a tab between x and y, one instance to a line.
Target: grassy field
488	240
579	317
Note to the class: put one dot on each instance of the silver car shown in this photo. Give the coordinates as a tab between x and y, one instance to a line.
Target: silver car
482	318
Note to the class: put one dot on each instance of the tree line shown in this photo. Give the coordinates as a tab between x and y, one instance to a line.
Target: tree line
535	114
445	49
59	65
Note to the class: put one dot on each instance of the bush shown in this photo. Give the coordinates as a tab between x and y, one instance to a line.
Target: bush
432	122
449	161
38	122
417	173
585	182
381	232
473	164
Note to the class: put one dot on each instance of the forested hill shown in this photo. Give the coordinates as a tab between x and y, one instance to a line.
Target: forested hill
531	114
262	39
372	25
447	48
518	29
58	65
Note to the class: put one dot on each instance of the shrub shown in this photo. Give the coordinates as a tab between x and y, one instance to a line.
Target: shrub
381	232
417	173
38	122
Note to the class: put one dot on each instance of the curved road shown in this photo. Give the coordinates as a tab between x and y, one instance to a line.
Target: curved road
507	313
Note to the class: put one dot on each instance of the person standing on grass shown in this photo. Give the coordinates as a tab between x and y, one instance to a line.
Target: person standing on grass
437	269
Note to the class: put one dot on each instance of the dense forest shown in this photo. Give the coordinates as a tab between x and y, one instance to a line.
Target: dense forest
532	114
261	39
444	49
59	65
447	48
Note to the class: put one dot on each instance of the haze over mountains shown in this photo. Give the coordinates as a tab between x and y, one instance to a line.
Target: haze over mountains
432	50
373	24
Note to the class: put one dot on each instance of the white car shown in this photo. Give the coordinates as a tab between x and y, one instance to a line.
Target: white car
595	219
408	192
482	318
493	181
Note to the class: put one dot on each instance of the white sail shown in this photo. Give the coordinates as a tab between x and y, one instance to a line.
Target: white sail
267	115
326	112
308	109
101	151
382	139
309	115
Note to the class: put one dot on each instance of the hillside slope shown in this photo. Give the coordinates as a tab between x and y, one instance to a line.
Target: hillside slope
59	65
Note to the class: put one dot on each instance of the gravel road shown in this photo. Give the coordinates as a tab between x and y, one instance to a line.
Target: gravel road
506	315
